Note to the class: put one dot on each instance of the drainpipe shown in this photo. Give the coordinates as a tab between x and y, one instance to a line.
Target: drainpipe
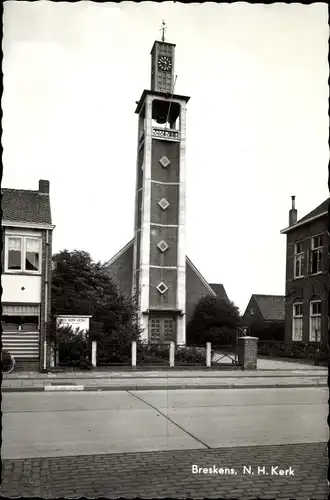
46	299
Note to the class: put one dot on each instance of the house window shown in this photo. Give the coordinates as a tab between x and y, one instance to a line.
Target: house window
32	254
297	326
315	321
298	260
23	254
14	247
252	312
316	257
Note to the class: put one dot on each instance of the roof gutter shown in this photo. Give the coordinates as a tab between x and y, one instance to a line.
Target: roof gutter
299	224
27	225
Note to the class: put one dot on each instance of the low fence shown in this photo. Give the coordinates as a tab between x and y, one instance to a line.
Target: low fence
192	355
314	351
113	354
96	353
149	354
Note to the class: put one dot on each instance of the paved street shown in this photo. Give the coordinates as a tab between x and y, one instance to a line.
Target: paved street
168	474
154	437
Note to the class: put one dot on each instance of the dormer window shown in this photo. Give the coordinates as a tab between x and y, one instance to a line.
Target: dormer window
23	254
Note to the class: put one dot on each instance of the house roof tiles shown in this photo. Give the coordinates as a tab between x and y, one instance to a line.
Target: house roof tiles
21	205
323	207
272	307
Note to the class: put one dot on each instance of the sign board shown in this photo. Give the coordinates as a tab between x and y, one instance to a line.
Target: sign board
81	322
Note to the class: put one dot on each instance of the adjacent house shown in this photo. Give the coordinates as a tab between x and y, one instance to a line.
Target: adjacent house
307	275
26	274
264	316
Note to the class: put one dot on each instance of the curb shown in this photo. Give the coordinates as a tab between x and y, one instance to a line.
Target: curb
82	388
278	374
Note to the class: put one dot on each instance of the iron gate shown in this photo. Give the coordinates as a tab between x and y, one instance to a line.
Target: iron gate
225	353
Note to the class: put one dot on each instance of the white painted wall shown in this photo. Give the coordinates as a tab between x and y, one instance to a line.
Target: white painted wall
12	285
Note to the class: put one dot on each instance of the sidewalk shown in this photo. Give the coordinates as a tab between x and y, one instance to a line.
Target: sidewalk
162	379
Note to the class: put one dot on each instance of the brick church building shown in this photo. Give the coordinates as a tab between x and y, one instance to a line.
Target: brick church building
154	263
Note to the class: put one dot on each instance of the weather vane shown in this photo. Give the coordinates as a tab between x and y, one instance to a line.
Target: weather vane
163	29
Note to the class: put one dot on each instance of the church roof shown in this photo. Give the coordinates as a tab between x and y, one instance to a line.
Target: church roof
272	307
188	261
219	289
26	206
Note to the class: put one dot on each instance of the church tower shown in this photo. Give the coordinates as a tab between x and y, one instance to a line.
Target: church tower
159	254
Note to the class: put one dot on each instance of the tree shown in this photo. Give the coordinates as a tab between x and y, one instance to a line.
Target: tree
83	287
214	320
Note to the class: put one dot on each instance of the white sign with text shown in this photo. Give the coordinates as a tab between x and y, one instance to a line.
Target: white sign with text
81	322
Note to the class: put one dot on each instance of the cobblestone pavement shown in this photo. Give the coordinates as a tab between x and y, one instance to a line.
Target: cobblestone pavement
169	474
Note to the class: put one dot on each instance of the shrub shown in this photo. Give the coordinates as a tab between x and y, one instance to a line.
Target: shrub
74	347
190	355
152	353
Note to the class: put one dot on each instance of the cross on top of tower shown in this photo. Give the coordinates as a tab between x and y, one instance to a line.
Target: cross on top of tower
163	29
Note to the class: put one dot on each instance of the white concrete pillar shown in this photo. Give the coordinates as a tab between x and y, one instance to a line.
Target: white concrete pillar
134	353
45	355
94	351
172	353
181	330
208	354
144	322
181	272
145	218
52	356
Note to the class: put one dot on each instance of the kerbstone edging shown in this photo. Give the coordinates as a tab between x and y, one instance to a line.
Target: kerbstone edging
133	387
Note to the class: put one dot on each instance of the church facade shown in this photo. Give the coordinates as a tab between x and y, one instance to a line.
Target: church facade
154	263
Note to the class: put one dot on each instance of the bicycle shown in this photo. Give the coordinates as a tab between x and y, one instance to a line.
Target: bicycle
7	362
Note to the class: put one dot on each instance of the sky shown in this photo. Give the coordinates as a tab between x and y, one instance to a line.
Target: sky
257	123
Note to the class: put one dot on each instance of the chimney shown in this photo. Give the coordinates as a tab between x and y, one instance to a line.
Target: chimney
293	214
44	187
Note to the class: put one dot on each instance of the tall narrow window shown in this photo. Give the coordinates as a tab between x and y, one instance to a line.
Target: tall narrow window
14	254
317	252
297	324
315	321
32	254
298	260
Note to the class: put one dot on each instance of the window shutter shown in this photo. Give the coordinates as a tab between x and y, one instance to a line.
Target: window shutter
308	261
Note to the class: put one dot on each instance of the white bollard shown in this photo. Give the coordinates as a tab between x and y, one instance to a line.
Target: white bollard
45	355
208	354
94	350
172	352
52	356
134	353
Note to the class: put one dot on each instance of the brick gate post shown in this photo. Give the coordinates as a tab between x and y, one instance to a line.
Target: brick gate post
248	352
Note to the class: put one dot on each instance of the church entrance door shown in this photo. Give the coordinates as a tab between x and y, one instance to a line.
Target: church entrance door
162	329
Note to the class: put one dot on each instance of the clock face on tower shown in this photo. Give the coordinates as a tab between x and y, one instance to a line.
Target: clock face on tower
164	63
